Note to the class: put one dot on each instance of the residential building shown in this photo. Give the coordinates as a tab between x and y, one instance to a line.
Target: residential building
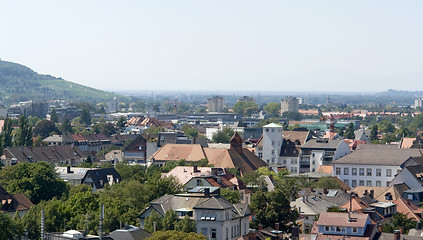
271	144
12	203
318	152
335	225
372	165
234	157
288	152
97	178
215	217
312	202
290	104
215	104
113	106
247	99
418	103
67	155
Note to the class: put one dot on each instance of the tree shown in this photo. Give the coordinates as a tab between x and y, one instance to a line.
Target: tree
9	230
264	122
230	195
176	235
53	116
190	131
154	130
349	132
271	207
223	136
185	225
245	107
272	109
399	220
327	182
170	219
6	133
66	126
23	136
373	133
153	220
295	116
386	126
121	123
417	123
86	116
36	180
44	128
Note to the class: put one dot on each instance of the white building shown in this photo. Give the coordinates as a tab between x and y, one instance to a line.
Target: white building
271	144
215	217
290	104
418	102
113	106
318	152
372	165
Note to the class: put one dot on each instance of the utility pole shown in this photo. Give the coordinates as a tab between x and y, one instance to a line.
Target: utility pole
42	224
101	222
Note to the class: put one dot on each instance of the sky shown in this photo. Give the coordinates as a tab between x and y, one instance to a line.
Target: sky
219	45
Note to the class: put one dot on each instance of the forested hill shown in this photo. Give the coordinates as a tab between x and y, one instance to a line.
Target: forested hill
20	83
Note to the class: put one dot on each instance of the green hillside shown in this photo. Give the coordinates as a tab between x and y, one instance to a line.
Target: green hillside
20	83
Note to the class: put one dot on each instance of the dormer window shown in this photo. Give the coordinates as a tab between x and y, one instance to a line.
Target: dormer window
354	230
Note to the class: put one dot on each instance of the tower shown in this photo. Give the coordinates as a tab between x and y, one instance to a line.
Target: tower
272	142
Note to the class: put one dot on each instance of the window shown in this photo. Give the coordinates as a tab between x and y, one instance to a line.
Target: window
199	182
273	143
369	172
368	183
354	171
273	152
378	183
388	172
410	196
327	228
354	230
378	172
227	235
354	183
346	171
361	171
273	130
260	155
338	229
267	129
213	233
361	183
346	182
387	183
338	171
273	160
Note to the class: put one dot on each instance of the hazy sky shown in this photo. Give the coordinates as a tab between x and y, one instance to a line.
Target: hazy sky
219	44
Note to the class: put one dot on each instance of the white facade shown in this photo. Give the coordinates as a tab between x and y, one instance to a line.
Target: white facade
272	142
418	102
223	227
311	159
355	175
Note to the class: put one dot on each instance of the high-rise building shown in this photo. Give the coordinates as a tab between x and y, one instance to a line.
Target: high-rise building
290	104
113	106
418	102
215	104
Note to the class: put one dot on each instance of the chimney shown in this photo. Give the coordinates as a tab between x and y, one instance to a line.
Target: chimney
372	194
397	235
295	233
195	168
418	225
366	192
325	190
207	192
251	235
277	226
68	169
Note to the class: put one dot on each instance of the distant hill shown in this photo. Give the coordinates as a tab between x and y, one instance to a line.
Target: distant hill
20	83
